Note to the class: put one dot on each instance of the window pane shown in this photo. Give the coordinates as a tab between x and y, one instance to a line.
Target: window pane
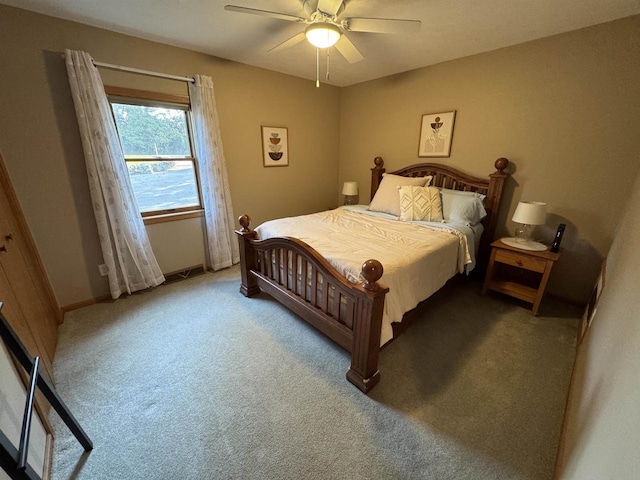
164	185
152	130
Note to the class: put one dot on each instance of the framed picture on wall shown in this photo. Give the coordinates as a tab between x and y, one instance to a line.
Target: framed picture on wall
275	150
436	133
592	306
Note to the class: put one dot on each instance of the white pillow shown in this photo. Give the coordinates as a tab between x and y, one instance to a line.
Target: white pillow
462	207
386	199
420	203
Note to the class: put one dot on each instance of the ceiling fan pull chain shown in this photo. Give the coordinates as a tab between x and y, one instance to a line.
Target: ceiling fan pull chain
317	68
327	64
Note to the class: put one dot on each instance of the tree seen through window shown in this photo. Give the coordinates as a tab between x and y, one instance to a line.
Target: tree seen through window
156	144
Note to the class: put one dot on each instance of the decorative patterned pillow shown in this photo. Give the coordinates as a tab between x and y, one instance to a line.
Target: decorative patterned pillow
420	203
386	198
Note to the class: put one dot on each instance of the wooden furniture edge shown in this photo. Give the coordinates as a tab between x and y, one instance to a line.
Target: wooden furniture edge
41	275
544	254
544	261
524	292
265	266
448	177
365	339
48	457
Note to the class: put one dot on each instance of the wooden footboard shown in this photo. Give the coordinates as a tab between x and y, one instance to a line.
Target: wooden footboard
298	277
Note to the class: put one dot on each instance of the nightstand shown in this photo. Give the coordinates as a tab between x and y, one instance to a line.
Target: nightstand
525	276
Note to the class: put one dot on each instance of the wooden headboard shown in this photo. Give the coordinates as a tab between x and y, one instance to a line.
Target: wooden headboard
447	177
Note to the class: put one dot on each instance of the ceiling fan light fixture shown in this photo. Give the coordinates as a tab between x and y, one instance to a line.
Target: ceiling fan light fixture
322	34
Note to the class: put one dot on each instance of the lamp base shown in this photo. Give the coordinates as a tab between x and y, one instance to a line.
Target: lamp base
350	199
527	245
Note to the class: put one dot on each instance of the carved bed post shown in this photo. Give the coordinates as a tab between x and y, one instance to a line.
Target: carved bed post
376	175
492	206
248	286
367	324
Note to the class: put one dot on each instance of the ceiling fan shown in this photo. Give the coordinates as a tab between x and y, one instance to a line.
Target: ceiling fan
324	28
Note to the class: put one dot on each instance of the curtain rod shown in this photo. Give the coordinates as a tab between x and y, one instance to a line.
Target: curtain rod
141	72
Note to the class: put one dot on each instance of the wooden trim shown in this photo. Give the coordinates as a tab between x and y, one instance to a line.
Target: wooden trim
173	217
170	211
40	274
48	458
166	98
157	158
147	95
85	303
560	451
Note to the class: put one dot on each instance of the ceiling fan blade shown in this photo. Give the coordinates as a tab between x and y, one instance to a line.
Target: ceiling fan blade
348	50
330	7
296	39
382	25
253	11
307	6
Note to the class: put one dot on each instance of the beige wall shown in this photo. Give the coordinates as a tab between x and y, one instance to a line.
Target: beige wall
41	147
601	428
565	110
178	245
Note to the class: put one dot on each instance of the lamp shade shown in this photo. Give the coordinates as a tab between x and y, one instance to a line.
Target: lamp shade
530	213
350	188
322	34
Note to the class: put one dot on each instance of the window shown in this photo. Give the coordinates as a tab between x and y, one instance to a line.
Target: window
156	142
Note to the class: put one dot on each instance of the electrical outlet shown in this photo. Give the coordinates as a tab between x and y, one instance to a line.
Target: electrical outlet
104	271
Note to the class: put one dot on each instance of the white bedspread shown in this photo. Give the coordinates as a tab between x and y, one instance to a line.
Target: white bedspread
418	257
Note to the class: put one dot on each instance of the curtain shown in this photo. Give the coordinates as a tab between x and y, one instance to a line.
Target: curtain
125	246
222	246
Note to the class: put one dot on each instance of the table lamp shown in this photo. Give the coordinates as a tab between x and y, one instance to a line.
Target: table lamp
350	192
528	214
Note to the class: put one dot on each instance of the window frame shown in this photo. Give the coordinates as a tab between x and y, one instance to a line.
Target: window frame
160	100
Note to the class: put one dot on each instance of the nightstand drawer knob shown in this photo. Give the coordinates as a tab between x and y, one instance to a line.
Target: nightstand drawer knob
519	262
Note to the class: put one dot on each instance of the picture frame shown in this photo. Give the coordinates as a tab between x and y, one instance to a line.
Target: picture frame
275	146
590	312
436	134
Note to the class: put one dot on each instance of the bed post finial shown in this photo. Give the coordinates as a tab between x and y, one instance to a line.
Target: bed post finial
501	164
244	221
371	271
367	324
248	285
376	175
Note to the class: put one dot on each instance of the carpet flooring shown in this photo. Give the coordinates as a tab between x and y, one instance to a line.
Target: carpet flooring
194	381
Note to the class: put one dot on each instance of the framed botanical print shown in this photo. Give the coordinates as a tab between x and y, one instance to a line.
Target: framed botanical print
275	149
436	133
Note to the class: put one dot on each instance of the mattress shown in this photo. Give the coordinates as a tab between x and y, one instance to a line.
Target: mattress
418	257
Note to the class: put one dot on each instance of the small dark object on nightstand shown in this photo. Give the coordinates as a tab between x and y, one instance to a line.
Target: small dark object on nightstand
555	246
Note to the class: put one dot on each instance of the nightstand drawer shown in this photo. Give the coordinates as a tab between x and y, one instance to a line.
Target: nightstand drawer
520	260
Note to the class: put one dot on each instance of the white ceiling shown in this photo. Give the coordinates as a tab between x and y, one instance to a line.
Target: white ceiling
450	28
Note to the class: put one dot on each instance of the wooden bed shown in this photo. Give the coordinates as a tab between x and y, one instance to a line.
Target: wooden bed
350	314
